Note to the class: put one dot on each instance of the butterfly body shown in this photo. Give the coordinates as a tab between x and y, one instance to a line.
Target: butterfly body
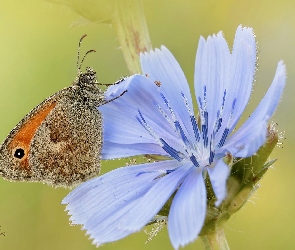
59	141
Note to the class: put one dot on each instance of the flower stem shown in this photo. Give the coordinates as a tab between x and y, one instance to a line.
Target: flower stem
129	22
215	241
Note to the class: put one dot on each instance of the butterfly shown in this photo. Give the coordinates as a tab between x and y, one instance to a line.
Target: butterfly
59	142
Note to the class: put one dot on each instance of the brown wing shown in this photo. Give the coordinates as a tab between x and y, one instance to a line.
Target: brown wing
57	143
14	152
66	147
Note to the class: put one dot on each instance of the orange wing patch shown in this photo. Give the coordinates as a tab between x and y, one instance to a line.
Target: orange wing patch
25	134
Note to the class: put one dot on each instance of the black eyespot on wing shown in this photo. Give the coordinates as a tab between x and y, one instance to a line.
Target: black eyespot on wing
19	153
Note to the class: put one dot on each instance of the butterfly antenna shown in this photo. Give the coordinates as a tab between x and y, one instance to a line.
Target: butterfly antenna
78	55
79	64
89	51
113	99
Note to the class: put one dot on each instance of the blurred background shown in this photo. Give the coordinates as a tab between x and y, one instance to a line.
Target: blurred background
38	48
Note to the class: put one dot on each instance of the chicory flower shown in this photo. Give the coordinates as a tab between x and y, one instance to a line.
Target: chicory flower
156	117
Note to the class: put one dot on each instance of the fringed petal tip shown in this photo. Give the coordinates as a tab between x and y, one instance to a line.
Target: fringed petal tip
160	65
119	87
94	241
252	134
245	29
281	71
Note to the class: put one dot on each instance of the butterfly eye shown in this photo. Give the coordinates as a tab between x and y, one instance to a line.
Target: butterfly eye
19	153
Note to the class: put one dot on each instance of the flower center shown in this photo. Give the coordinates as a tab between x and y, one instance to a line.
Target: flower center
197	140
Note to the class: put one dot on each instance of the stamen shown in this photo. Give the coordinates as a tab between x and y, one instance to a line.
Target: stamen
223	99
201	103
211	157
205	92
193	119
233	105
231	113
183	136
204	117
218	126
228	125
195	128
178	128
168	106
205	129
219	119
146	126
194	160
221	111
166	117
223	138
170	171
205	98
186	104
171	151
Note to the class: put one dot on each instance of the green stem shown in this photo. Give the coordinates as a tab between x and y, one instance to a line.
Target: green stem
129	22
215	241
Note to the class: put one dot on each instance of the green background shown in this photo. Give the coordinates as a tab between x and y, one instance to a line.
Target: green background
38	50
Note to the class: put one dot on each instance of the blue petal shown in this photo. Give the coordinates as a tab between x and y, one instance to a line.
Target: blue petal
101	203
154	200
106	229
252	134
218	176
105	193
242	72
117	89
142	94
160	65
112	150
188	210
118	124
212	72
241	75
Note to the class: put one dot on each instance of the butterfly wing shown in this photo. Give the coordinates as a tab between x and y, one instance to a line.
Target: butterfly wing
66	147
57	143
14	151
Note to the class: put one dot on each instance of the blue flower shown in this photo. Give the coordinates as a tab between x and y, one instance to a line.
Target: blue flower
156	116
